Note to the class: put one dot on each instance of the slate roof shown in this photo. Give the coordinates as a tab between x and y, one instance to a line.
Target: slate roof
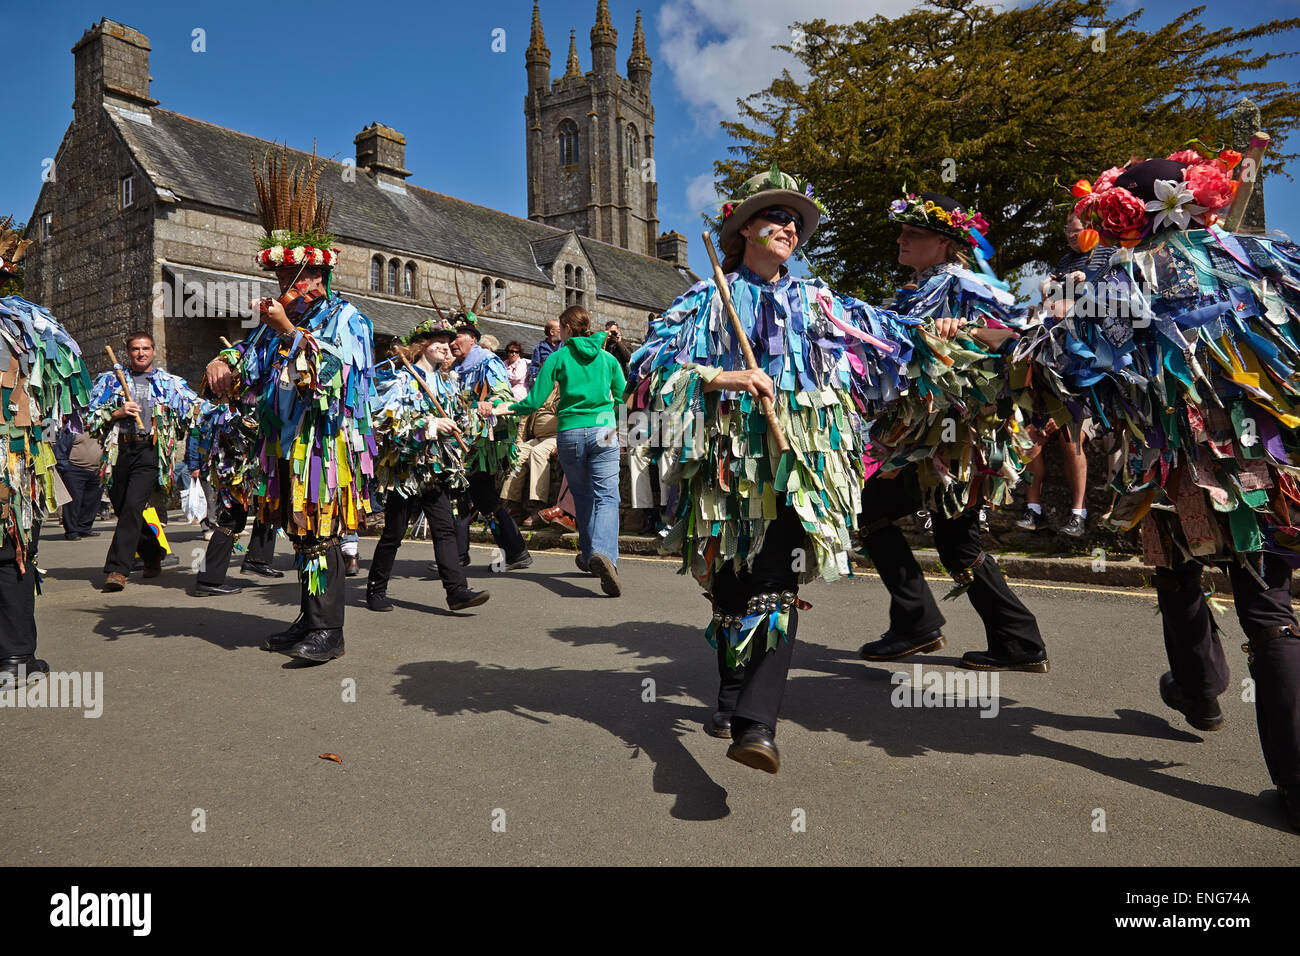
209	164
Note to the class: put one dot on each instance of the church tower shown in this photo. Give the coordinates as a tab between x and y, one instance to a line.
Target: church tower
590	139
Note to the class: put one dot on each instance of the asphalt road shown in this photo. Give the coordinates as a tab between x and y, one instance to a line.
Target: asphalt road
525	732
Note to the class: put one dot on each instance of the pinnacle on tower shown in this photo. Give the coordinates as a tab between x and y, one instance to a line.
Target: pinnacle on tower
638	62
573	67
603	33
538	58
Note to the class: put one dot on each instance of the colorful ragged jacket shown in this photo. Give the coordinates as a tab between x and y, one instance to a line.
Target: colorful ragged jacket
175	409
834	362
962	421
44	386
1191	348
481	377
309	394
412	456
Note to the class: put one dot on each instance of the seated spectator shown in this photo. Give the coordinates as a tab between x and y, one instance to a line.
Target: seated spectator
544	349
537	453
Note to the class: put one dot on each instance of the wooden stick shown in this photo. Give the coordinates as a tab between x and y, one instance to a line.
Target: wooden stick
778	433
1255	156
121	380
225	342
437	405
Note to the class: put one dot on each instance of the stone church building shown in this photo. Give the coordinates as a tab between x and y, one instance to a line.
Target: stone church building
150	219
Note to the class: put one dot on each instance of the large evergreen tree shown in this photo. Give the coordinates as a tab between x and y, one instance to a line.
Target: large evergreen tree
1001	109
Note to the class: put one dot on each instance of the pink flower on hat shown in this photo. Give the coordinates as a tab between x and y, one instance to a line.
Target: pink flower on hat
1209	184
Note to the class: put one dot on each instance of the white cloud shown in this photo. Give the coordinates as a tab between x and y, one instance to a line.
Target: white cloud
702	194
721	50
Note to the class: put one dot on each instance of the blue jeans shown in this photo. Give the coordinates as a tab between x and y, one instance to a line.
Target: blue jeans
589	457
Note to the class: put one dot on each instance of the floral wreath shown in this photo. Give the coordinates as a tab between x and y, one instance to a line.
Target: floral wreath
436	325
285	248
1113	215
923	213
775	180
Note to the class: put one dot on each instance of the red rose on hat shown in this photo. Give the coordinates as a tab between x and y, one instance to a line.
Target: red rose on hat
1106	179
1209	184
1188	157
1120	211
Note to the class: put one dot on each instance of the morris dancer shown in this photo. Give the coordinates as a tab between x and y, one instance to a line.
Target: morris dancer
420	463
964	448
1196	335
44	386
753	524
306	375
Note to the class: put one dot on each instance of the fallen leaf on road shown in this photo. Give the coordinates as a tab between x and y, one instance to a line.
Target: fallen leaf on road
335	757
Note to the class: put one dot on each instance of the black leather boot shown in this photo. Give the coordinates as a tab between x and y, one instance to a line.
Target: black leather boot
320	645
755	747
377	599
287	638
891	647
18	671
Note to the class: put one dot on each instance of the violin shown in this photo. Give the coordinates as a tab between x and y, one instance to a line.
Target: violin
296	302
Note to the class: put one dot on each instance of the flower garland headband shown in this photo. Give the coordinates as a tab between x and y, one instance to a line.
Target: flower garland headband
914	210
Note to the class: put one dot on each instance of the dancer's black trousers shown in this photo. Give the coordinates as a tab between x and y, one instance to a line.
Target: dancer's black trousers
1200	669
1011	629
135	479
17	600
487	502
754	692
398	513
231	523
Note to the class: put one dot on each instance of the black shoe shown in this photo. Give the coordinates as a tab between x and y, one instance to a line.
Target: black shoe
464	560
1076	527
377	599
1201	714
15	672
604	569
351	565
985	661
466	598
582	565
215	590
257	567
69	536
1032	521
287	638
524	560
891	647
1290	797
90	534
756	749
719	725
650	526
319	645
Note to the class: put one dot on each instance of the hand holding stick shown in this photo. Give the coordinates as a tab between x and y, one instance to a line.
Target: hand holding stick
121	380
437	405
765	403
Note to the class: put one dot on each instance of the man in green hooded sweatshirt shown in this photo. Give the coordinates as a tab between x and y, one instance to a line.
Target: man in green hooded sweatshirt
591	382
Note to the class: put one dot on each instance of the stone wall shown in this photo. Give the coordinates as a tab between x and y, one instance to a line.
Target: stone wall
95	272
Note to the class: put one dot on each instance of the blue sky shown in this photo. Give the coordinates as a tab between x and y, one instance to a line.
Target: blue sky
429	70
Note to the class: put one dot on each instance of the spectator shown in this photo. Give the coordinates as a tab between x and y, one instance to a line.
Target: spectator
1074	270
591	383
517	369
537	450
615	345
543	350
78	458
490	342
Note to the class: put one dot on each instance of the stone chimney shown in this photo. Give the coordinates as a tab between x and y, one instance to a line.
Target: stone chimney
382	151
672	247
112	68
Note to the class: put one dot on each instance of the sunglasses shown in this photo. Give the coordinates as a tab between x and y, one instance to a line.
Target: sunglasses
779	217
512	352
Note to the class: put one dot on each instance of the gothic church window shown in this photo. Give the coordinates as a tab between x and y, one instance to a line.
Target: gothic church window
499	297
408	283
377	274
573	286
633	147
568	143
392	276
